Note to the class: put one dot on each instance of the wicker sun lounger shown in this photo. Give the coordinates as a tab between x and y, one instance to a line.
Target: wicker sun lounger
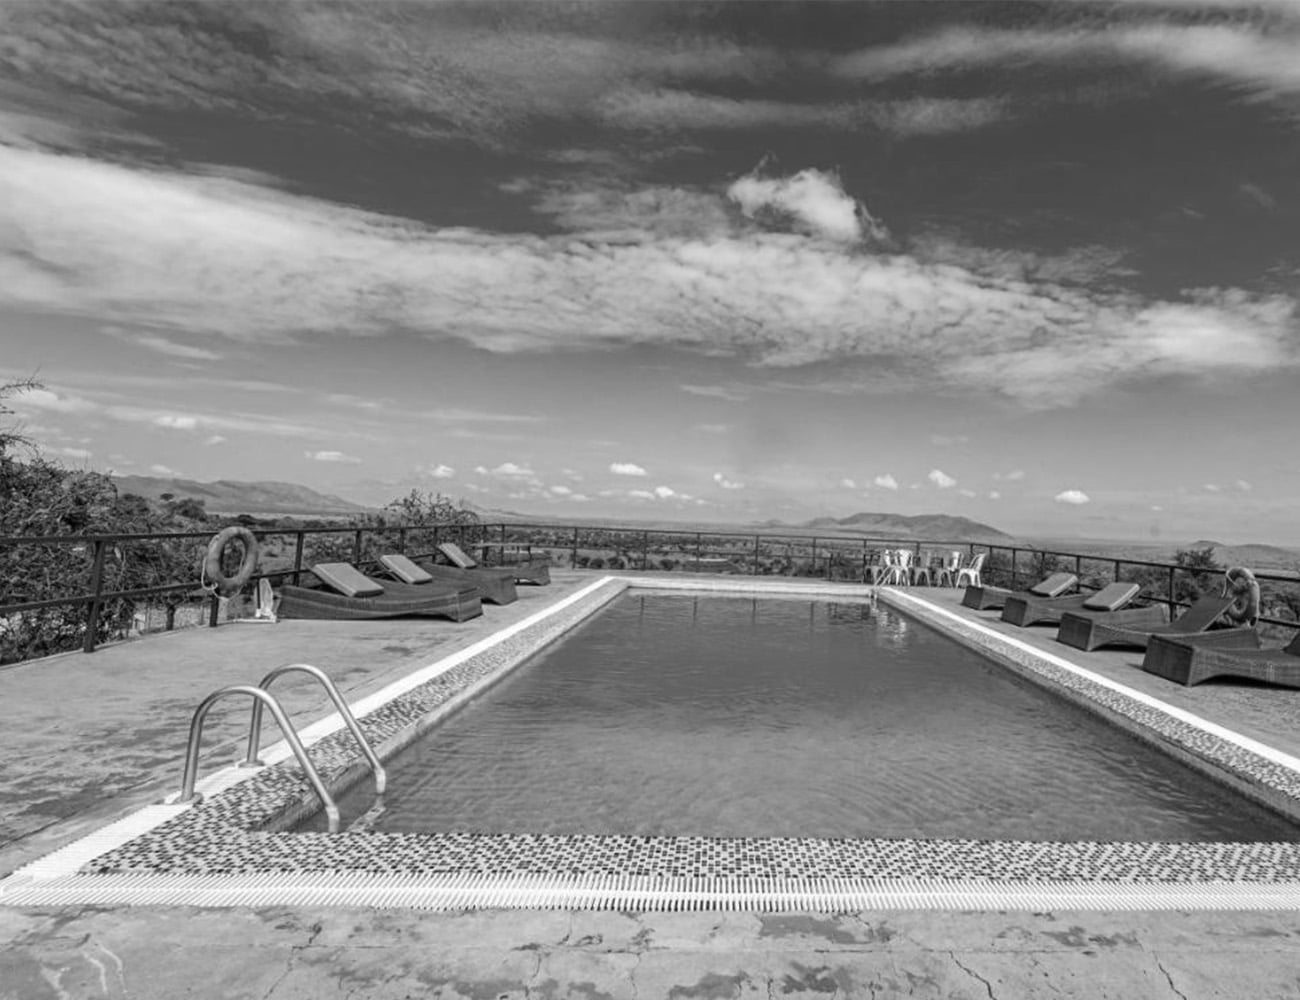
1233	654
1030	609
1090	633
987	598
533	571
348	594
493	587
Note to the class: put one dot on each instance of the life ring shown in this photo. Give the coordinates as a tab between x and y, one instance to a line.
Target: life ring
1244	588
212	570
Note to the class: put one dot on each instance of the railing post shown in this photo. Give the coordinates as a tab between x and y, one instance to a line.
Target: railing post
1014	552
401	540
814	556
699	541
1078	566
645	548
297	556
753	566
573	555
1115	575
96	588
1173	601
356	548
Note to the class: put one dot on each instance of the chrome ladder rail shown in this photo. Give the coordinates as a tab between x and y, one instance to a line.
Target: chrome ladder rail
260	697
255	729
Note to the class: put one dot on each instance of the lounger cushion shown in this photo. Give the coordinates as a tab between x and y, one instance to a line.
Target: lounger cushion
457	555
347	579
1054	585
404	569
1112	597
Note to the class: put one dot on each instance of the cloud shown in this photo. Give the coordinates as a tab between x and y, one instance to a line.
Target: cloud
1242	485
561	490
163	470
994	495
1211	488
665	492
213	439
176	421
170	249
441	471
81	454
163	345
1015	475
966	493
512	470
717	392
848	484
331	456
726	483
1261	61
1072	497
44	399
948	440
813	200
627	469
941	479
886	481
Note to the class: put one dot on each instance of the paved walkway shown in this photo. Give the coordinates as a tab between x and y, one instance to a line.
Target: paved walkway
90	737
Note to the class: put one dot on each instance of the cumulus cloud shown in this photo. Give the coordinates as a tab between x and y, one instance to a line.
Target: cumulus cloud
512	469
561	490
814	201
941	479
1211	487
1015	475
994	495
331	456
213	439
1072	497
627	469
441	471
1243	485
966	493
727	484
848	484
886	481
163	470
664	492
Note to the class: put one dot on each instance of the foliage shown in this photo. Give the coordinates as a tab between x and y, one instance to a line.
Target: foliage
38	497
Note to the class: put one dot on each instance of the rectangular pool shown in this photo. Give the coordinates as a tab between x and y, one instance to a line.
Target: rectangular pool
677	715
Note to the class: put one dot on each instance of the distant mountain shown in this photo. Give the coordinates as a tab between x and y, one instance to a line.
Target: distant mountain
1252	555
227	496
936	527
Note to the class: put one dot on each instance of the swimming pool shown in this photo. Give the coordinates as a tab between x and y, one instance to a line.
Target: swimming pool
237	847
680	715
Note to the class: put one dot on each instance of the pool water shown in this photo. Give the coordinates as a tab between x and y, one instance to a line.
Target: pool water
673	715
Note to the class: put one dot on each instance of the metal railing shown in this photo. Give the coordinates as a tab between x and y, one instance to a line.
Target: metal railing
827	555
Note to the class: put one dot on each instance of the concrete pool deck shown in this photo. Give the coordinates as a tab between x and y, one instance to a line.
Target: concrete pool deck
104	734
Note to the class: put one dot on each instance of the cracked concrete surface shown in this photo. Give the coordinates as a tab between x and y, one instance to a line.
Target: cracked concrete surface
286	954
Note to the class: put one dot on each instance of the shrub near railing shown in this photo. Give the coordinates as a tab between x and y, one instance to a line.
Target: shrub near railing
88	605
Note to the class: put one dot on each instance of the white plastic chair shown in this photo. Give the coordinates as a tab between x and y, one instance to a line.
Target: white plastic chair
970	575
948	571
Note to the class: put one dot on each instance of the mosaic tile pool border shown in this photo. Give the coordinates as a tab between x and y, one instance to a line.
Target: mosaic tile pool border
238	833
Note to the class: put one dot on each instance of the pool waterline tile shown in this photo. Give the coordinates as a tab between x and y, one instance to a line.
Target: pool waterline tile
240	836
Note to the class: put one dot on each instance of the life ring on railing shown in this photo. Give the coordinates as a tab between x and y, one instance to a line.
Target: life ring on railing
1244	588
212	570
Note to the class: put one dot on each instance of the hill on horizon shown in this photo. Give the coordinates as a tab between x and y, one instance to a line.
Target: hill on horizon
228	496
931	527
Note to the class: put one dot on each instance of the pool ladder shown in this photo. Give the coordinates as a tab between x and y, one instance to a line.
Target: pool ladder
262	697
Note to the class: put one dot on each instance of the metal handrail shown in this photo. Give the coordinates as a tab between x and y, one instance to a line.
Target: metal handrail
255	729
260	697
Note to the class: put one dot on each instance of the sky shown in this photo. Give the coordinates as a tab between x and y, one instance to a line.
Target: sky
1036	264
